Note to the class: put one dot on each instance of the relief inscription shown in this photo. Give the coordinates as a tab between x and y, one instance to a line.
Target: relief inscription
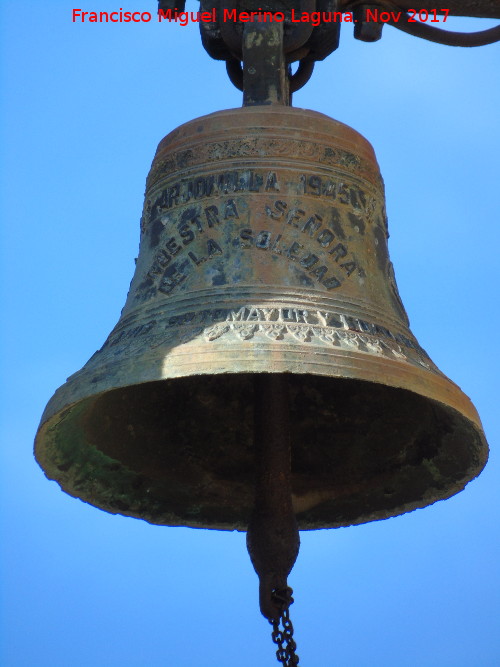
188	190
313	245
320	327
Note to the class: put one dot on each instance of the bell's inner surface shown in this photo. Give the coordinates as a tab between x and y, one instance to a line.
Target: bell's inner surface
181	452
263	250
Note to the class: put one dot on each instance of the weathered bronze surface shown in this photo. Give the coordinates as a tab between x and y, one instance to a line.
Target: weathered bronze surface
263	250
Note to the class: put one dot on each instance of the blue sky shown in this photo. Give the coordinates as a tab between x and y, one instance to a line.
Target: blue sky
83	109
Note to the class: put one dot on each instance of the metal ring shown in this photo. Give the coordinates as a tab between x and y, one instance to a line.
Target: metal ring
235	73
302	75
297	80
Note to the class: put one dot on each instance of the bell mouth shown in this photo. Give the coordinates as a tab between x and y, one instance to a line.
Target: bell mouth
180	452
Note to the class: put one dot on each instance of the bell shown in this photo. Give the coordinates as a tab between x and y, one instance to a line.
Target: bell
263	251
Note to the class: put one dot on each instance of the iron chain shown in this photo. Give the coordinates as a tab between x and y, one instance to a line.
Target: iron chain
283	638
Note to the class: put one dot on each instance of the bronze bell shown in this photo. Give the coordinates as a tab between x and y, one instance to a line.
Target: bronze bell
263	250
